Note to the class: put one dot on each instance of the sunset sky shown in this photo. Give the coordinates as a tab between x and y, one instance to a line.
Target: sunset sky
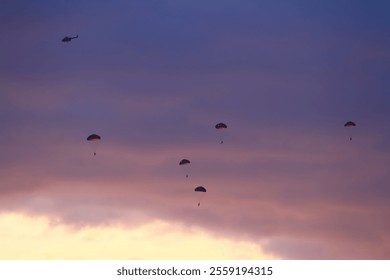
152	78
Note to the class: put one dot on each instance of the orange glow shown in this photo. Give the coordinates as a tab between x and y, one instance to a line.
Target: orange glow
24	237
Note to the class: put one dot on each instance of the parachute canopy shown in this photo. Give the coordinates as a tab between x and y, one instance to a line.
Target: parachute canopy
220	126
200	189
93	137
349	124
184	161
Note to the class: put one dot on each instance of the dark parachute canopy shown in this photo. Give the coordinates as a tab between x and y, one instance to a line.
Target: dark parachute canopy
220	126
184	162
93	137
200	189
349	124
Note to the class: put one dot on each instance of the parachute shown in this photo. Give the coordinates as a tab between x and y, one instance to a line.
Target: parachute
185	164
200	190
94	138
350	125
221	127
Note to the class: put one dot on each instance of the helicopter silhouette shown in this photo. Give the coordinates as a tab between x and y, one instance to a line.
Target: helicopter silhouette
68	39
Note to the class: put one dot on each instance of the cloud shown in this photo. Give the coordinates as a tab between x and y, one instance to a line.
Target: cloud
154	240
302	195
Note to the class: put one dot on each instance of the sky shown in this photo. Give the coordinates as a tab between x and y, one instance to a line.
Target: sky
153	78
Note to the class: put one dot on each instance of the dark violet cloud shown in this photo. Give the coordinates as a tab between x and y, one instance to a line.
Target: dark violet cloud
153	78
